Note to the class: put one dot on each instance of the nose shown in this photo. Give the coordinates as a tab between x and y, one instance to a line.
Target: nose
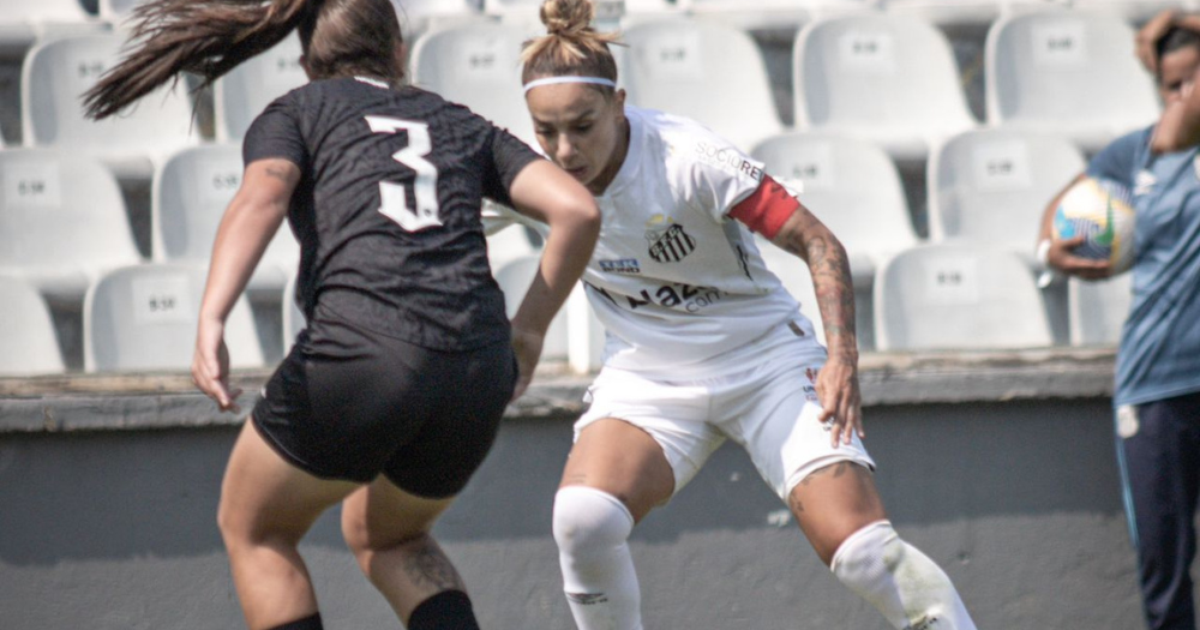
564	148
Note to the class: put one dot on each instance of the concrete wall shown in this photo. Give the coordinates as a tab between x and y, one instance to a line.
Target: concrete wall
107	504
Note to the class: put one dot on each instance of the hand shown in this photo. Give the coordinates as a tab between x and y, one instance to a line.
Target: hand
1062	258
841	402
210	365
1147	39
527	346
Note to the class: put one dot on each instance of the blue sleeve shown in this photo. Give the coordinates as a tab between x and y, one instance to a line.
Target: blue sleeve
1119	160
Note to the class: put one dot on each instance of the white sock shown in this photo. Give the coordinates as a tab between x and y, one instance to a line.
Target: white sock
911	591
592	528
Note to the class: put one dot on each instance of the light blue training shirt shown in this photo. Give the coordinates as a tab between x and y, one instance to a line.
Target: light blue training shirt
1159	356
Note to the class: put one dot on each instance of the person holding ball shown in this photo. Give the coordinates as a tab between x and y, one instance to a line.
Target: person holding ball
1157	400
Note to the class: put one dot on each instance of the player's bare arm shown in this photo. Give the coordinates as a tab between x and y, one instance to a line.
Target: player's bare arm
804	235
543	191
249	224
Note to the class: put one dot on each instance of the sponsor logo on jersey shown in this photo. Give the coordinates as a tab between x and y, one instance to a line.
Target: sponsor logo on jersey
623	265
728	159
668	243
677	296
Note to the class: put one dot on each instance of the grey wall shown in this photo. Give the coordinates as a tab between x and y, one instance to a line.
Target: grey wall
1018	501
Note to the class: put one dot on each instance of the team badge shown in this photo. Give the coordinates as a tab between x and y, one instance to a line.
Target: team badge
668	240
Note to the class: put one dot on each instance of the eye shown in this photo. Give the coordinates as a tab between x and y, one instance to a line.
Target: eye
583	127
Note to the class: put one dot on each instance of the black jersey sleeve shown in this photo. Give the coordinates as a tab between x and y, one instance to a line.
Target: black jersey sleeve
275	133
509	156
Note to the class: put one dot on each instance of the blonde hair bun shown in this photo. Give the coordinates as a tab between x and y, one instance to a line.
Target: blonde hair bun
565	17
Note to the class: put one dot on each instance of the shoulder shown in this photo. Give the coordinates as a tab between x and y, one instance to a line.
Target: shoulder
694	151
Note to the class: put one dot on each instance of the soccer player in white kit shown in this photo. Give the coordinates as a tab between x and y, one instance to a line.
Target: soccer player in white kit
704	344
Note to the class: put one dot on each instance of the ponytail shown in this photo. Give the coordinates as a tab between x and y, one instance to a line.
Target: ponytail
204	37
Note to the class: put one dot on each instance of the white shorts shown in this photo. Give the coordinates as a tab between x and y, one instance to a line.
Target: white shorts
769	407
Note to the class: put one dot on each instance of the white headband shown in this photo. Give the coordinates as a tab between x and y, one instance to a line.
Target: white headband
555	80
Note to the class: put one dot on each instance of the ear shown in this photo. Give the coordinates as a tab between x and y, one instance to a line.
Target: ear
400	58
619	101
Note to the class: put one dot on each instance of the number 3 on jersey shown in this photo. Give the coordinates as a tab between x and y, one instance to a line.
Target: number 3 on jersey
394	197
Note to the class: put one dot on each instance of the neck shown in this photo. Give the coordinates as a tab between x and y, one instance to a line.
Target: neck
600	184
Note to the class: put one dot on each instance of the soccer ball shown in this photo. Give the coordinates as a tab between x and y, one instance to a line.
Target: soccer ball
1102	211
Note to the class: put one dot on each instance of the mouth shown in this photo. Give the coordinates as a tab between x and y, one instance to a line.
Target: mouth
577	172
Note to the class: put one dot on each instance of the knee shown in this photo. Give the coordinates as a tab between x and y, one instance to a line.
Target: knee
588	520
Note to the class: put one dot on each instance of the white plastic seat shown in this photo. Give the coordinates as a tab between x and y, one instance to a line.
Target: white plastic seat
963	12
240	96
992	185
886	78
144	317
703	70
189	196
421	16
852	187
62	221
477	65
28	343
514	279
1067	72
22	23
761	14
1133	10
958	297
54	76
1097	310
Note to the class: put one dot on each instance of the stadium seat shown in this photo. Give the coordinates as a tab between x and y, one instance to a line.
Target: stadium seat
116	11
852	187
420	16
1097	310
240	96
514	279
1133	10
889	79
22	23
1067	72
703	70
57	72
62	221
188	198
762	14
477	65
958	297
963	12
509	244
144	317
992	185
28	343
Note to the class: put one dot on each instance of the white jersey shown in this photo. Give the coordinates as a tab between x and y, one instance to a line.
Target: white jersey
674	280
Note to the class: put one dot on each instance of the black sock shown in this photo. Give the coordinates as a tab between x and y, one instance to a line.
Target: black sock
448	610
311	622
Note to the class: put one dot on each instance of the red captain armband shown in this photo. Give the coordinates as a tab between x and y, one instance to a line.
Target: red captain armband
767	209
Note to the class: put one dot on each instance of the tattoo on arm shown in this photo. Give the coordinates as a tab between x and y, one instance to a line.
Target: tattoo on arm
831	278
278	172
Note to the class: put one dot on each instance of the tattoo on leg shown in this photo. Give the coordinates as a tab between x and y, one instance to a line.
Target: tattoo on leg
837	469
796	505
427	566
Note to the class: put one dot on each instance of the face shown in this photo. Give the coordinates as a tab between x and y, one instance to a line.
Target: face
1177	69
581	129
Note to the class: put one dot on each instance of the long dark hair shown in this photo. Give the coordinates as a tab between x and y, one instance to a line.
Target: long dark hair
211	37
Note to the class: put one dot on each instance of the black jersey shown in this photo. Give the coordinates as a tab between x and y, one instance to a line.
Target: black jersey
387	211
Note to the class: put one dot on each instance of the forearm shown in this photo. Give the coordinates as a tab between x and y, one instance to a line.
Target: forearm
243	236
807	238
564	258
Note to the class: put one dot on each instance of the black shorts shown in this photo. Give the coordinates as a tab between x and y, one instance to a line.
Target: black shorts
352	404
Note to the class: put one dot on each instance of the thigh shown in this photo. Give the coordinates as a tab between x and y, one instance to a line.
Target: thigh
469	393
263	495
622	460
773	413
834	502
1160	450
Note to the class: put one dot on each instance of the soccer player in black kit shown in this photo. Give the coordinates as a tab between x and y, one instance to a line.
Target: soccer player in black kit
391	397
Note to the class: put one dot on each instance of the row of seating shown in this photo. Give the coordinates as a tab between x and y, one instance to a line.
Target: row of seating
931	297
889	79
